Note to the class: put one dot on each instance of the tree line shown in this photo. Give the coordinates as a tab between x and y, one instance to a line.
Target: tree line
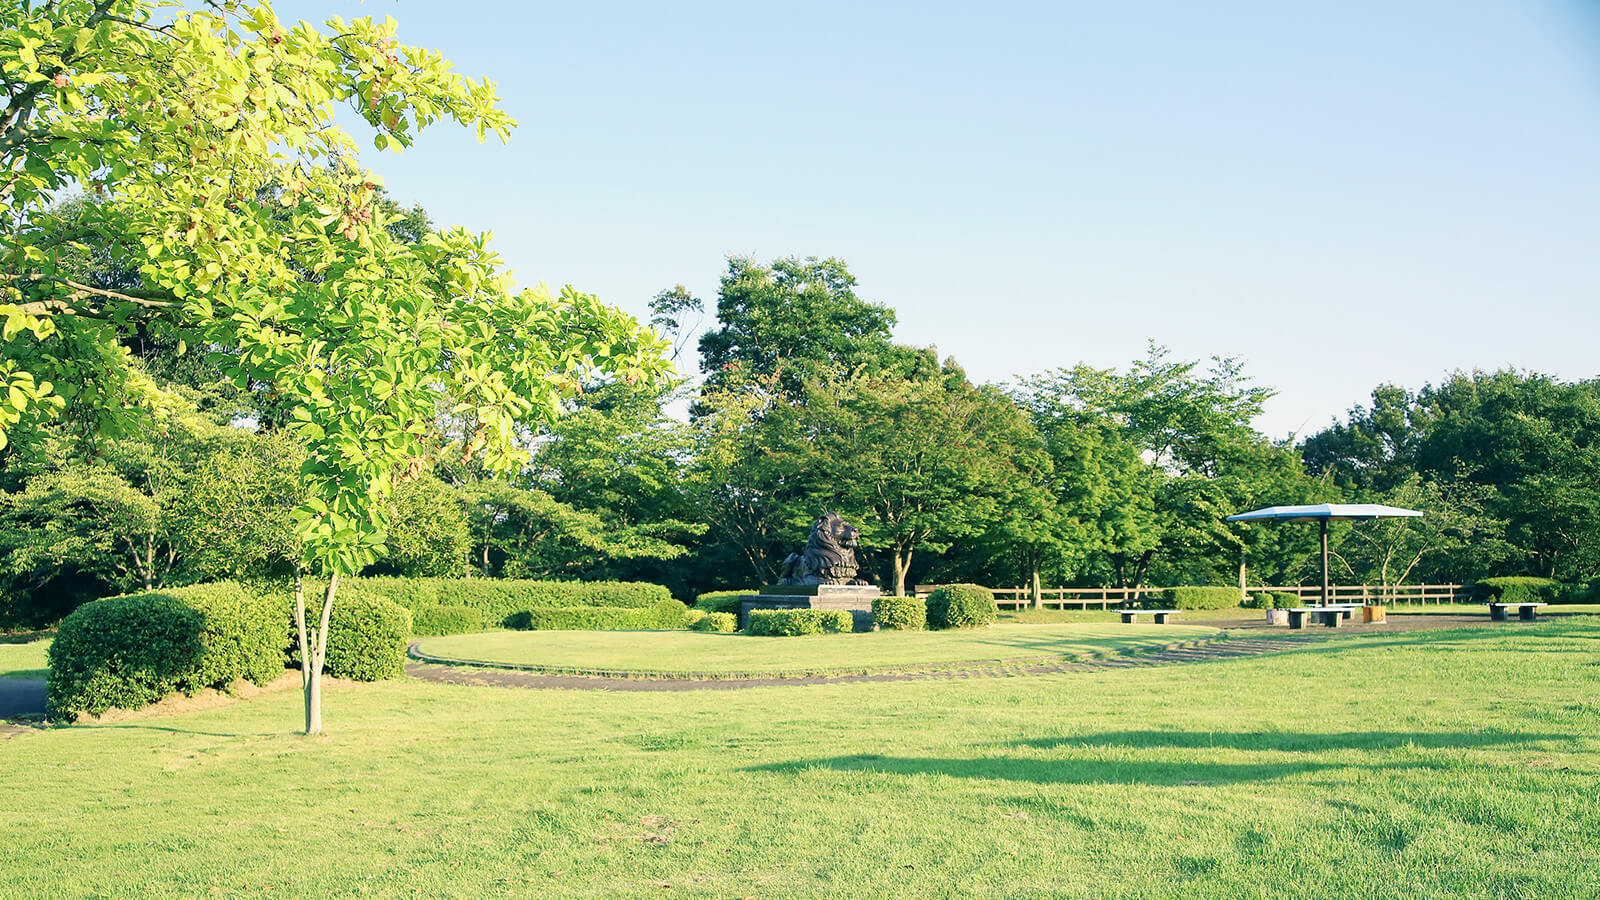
1079	476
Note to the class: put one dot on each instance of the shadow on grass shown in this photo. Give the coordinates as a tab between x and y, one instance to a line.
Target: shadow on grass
1054	771
1290	741
90	726
1173	773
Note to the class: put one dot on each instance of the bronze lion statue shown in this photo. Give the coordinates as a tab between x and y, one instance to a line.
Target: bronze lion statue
829	556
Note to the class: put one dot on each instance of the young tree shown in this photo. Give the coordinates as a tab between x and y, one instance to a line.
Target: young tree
204	127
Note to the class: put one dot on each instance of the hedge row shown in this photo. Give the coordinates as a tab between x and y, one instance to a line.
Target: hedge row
716	623
498	598
961	606
794	622
437	621
1201	597
1524	589
721	601
130	651
900	613
666	614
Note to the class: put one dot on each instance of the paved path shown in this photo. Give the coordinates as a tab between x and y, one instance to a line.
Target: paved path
19	697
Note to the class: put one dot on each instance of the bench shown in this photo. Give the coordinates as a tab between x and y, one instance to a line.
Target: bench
1131	616
1330	616
1500	612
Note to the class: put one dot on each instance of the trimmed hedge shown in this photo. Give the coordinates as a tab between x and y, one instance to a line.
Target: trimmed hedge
961	606
498	598
1201	597
367	638
1274	600
1523	589
130	651
795	622
436	621
666	614
721	601
717	623
900	613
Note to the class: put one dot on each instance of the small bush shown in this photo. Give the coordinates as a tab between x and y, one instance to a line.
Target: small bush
435	621
367	638
721	601
961	606
1201	597
717	623
900	613
795	622
1523	589
666	614
130	651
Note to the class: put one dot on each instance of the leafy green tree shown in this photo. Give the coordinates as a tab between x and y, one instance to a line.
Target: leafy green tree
918	463
429	536
799	319
183	122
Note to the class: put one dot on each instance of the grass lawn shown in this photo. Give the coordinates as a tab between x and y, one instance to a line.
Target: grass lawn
1480	609
1428	764
722	654
23	656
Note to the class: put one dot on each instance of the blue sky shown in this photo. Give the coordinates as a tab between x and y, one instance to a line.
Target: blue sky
1341	193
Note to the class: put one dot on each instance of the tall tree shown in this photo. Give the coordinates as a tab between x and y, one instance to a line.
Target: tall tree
799	319
184	121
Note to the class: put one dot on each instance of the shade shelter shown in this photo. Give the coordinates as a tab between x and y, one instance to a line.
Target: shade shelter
1323	513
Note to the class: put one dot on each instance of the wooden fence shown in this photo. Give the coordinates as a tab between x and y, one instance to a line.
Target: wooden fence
1105	598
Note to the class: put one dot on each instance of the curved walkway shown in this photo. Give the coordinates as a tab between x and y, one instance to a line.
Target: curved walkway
1226	647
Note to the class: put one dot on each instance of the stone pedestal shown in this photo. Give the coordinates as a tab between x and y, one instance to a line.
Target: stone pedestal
856	598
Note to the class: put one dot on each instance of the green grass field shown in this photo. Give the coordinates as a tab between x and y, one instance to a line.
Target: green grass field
1436	764
23	656
721	654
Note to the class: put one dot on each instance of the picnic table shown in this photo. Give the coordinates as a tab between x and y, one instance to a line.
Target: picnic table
1131	616
1500	612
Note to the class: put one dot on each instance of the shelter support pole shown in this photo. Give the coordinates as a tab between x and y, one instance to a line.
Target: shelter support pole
1325	600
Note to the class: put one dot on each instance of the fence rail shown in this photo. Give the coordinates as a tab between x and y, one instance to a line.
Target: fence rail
1105	598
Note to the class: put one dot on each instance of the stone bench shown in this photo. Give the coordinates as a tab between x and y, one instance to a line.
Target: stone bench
1131	616
1501	612
1330	616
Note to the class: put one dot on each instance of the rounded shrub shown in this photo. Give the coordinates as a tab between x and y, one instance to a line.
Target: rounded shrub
900	613
795	622
1274	600
130	651
367	638
436	621
717	623
961	606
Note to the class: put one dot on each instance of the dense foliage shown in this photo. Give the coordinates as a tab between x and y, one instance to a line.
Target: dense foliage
1523	589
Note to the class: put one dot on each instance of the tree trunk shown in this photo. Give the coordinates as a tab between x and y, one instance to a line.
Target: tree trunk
902	562
1035	593
313	649
1244	592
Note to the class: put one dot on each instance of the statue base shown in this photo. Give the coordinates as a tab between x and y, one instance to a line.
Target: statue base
854	598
